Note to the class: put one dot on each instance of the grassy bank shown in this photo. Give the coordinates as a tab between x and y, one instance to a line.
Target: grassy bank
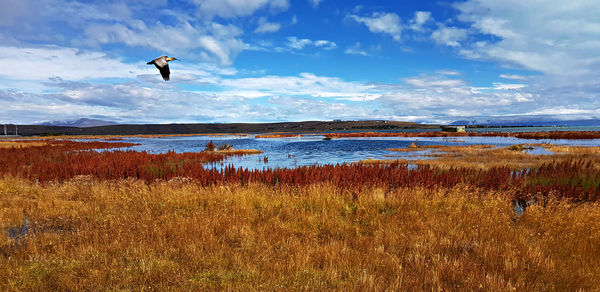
489	156
89	234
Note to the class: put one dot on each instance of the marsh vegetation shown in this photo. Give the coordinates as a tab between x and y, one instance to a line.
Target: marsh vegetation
114	220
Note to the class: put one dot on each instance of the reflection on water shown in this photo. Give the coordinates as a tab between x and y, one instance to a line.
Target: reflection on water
310	150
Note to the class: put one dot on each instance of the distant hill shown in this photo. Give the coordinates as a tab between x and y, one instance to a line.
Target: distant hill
290	127
529	122
81	123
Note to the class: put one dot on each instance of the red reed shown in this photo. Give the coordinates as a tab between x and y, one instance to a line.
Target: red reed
62	160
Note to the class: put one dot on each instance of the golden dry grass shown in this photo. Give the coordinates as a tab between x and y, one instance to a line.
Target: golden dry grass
128	235
488	156
20	143
577	150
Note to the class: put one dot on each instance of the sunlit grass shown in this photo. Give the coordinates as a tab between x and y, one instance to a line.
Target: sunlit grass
126	234
488	156
20	143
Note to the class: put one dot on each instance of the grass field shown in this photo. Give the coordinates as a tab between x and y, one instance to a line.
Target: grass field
75	219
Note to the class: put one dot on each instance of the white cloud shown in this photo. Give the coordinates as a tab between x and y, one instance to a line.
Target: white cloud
127	102
302	109
552	37
236	8
355	50
562	111
421	17
427	82
41	63
447	72
290	98
315	3
380	22
432	98
325	44
556	39
435	98
505	86
305	84
449	36
512	76
134	23
299	44
266	27
560	41
39	67
216	42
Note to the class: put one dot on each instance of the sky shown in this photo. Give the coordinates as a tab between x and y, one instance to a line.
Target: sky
297	60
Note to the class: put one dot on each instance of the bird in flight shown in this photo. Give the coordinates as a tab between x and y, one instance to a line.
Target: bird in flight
162	64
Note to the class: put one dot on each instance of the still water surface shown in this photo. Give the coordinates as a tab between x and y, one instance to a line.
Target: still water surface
310	150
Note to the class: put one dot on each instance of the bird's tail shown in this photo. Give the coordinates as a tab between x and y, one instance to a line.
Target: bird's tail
150	63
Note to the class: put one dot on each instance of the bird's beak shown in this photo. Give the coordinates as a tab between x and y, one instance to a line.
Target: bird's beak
171	59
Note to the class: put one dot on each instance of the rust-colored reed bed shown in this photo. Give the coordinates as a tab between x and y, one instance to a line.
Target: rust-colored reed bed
522	135
572	179
60	160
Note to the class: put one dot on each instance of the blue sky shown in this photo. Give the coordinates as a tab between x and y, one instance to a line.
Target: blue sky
294	60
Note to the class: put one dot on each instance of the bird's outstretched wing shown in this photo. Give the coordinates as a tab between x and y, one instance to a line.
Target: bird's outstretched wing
164	71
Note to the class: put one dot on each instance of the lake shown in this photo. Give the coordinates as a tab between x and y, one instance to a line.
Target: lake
312	149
